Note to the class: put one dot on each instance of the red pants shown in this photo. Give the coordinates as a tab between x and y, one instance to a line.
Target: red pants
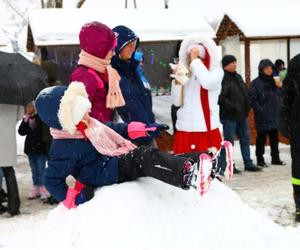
186	142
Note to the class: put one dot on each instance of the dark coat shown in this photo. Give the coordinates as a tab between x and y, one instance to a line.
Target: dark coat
76	157
34	140
138	98
290	106
233	100
265	100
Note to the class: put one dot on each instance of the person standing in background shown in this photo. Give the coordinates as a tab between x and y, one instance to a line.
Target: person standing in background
265	100
280	69
290	123
234	109
139	57
35	149
8	154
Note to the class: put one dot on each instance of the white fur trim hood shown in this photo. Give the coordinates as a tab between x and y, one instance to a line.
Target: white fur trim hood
208	43
69	110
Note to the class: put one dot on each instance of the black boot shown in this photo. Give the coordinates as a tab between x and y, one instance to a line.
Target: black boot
278	162
13	199
51	201
253	168
297	205
3	196
262	164
3	209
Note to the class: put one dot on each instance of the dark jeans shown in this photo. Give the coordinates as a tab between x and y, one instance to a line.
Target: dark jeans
37	164
241	129
261	141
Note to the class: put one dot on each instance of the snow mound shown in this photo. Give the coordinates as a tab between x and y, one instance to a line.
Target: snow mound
148	214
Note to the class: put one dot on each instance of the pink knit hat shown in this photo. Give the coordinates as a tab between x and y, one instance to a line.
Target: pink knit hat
97	39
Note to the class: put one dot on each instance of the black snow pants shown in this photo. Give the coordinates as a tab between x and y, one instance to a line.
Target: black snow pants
149	161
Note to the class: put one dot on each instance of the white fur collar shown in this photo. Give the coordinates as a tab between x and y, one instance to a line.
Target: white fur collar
65	117
208	43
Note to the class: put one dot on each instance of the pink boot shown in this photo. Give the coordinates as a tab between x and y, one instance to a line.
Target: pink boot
35	193
44	193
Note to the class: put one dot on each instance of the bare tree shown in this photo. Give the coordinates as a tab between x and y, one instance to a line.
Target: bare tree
13	36
80	3
167	4
52	3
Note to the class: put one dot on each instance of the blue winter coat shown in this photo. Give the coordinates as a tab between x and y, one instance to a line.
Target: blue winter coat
265	100
138	98
76	157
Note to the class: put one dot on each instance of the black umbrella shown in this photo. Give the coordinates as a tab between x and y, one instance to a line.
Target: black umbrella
20	80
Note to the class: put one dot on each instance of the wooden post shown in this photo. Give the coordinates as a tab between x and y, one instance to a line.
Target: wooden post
288	48
248	81
247	62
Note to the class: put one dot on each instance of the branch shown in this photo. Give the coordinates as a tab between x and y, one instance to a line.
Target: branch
15	10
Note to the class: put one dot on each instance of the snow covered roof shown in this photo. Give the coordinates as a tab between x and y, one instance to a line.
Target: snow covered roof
62	26
257	22
140	4
254	18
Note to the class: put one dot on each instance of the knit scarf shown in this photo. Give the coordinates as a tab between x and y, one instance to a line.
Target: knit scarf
114	96
105	140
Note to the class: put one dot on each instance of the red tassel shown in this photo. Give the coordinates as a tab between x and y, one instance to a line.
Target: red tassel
81	126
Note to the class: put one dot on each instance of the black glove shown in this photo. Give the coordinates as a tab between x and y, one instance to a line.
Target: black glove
160	128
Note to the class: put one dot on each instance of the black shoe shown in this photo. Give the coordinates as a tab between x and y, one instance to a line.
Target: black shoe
262	164
3	196
278	162
236	171
297	216
297	205
2	209
51	201
253	168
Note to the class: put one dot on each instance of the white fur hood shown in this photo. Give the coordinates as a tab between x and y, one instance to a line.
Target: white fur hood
208	43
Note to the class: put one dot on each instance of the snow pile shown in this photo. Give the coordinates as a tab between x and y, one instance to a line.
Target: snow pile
140	4
148	214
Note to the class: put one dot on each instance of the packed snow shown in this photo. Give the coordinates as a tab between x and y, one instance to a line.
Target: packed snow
148	214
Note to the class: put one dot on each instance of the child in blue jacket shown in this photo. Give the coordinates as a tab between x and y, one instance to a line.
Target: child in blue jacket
95	155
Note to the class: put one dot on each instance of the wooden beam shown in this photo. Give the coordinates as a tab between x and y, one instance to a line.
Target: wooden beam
288	50
247	62
265	38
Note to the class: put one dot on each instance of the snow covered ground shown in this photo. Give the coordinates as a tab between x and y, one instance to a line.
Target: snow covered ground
148	214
